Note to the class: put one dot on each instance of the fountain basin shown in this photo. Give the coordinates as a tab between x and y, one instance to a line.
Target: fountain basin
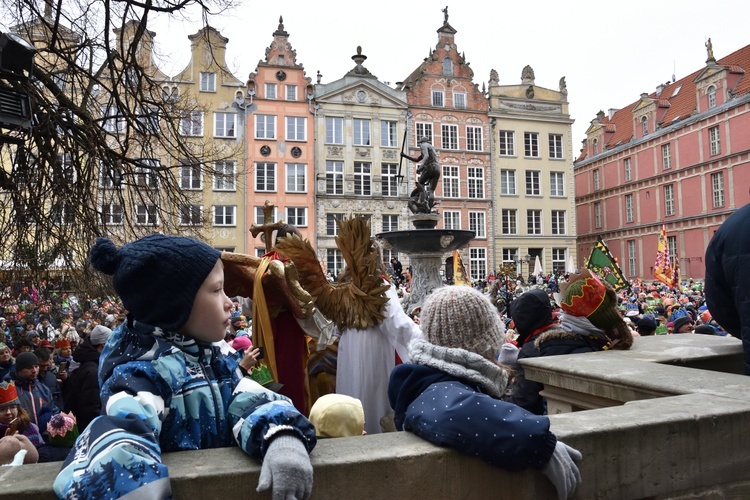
433	241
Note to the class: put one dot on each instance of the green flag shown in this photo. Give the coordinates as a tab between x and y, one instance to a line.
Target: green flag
603	263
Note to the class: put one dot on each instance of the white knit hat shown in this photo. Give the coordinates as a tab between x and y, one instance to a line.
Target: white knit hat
461	317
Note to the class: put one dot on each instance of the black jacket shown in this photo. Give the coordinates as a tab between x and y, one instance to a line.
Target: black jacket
82	395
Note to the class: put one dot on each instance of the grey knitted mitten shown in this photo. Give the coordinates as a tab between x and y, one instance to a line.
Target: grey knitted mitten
562	469
286	469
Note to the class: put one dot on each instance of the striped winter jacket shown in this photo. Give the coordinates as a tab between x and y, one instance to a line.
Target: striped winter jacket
161	392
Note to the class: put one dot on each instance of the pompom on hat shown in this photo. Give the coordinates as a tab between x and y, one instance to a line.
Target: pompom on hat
157	277
587	296
461	317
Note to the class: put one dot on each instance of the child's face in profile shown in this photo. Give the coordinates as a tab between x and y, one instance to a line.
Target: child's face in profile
210	315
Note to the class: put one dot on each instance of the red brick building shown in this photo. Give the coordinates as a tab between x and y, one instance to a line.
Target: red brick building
680	155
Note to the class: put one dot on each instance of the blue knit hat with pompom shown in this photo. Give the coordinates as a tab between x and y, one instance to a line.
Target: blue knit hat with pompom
157	277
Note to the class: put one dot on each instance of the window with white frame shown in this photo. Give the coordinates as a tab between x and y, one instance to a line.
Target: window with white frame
146	215
558	260
478	263
114	121
147	120
191	123
450	136
509	221
265	126
297	216
224	215
145	173
473	138
534	221
644	125
296	128
475	178
334	130
629	217
224	175
558	222
714	140
388	179
628	167
191	215
112	214
334	261
556	146
265	176
509	255
557	183
362	178
388	134
110	176
597	180
666	156
711	96
507	182
672	246
271	90
459	100
423	130
450	181
190	176
291	92
224	124
597	215
65	171
260	217
208	81
362	132
334	177
390	222
631	258
452	219
332	229
506	144
478	224
669	199
531	144
717	189
447	66
296	177
533	183
438	98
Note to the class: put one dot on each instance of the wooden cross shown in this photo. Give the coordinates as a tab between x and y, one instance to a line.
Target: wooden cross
267	228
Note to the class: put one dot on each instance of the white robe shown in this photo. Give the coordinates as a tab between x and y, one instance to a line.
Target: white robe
366	359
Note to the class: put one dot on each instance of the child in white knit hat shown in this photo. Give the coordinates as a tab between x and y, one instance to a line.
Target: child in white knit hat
456	365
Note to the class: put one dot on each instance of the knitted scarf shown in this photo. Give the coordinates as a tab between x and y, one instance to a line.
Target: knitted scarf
461	363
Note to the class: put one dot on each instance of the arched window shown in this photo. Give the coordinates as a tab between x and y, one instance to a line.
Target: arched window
596	146
644	125
711	96
447	67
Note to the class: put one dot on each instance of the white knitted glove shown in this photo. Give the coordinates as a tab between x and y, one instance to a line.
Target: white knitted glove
286	469
562	469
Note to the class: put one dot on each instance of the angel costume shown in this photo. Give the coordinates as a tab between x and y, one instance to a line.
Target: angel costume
366	359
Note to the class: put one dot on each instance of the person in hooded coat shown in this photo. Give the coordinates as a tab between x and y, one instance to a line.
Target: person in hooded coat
83	391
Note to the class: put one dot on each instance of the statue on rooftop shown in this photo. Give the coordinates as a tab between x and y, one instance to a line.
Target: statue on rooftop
710	49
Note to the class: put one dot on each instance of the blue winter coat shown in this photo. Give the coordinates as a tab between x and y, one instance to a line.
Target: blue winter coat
165	392
448	411
728	277
35	398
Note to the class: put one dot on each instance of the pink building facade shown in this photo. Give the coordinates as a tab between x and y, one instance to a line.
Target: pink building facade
679	156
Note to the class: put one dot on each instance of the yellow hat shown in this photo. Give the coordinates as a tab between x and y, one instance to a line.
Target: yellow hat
337	415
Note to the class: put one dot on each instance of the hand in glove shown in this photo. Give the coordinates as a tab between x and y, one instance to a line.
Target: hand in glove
286	469
562	469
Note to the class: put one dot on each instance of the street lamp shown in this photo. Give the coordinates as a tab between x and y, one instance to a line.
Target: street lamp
528	262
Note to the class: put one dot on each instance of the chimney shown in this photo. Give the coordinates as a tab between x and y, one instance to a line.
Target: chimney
660	88
611	112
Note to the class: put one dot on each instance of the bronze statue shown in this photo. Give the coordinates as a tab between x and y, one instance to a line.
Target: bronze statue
422	199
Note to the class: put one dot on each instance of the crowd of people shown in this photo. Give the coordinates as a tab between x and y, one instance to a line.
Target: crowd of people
169	364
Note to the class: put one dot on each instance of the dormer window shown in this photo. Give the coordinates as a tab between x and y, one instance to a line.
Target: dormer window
447	67
644	126
711	96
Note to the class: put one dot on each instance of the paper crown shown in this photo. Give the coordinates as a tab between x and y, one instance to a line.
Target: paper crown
62	344
8	394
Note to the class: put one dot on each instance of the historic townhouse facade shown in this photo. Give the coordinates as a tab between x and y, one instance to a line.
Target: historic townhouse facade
534	209
678	156
280	140
448	108
359	129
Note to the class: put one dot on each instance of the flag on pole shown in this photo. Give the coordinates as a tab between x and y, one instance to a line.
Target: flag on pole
676	273
603	263
663	264
459	271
